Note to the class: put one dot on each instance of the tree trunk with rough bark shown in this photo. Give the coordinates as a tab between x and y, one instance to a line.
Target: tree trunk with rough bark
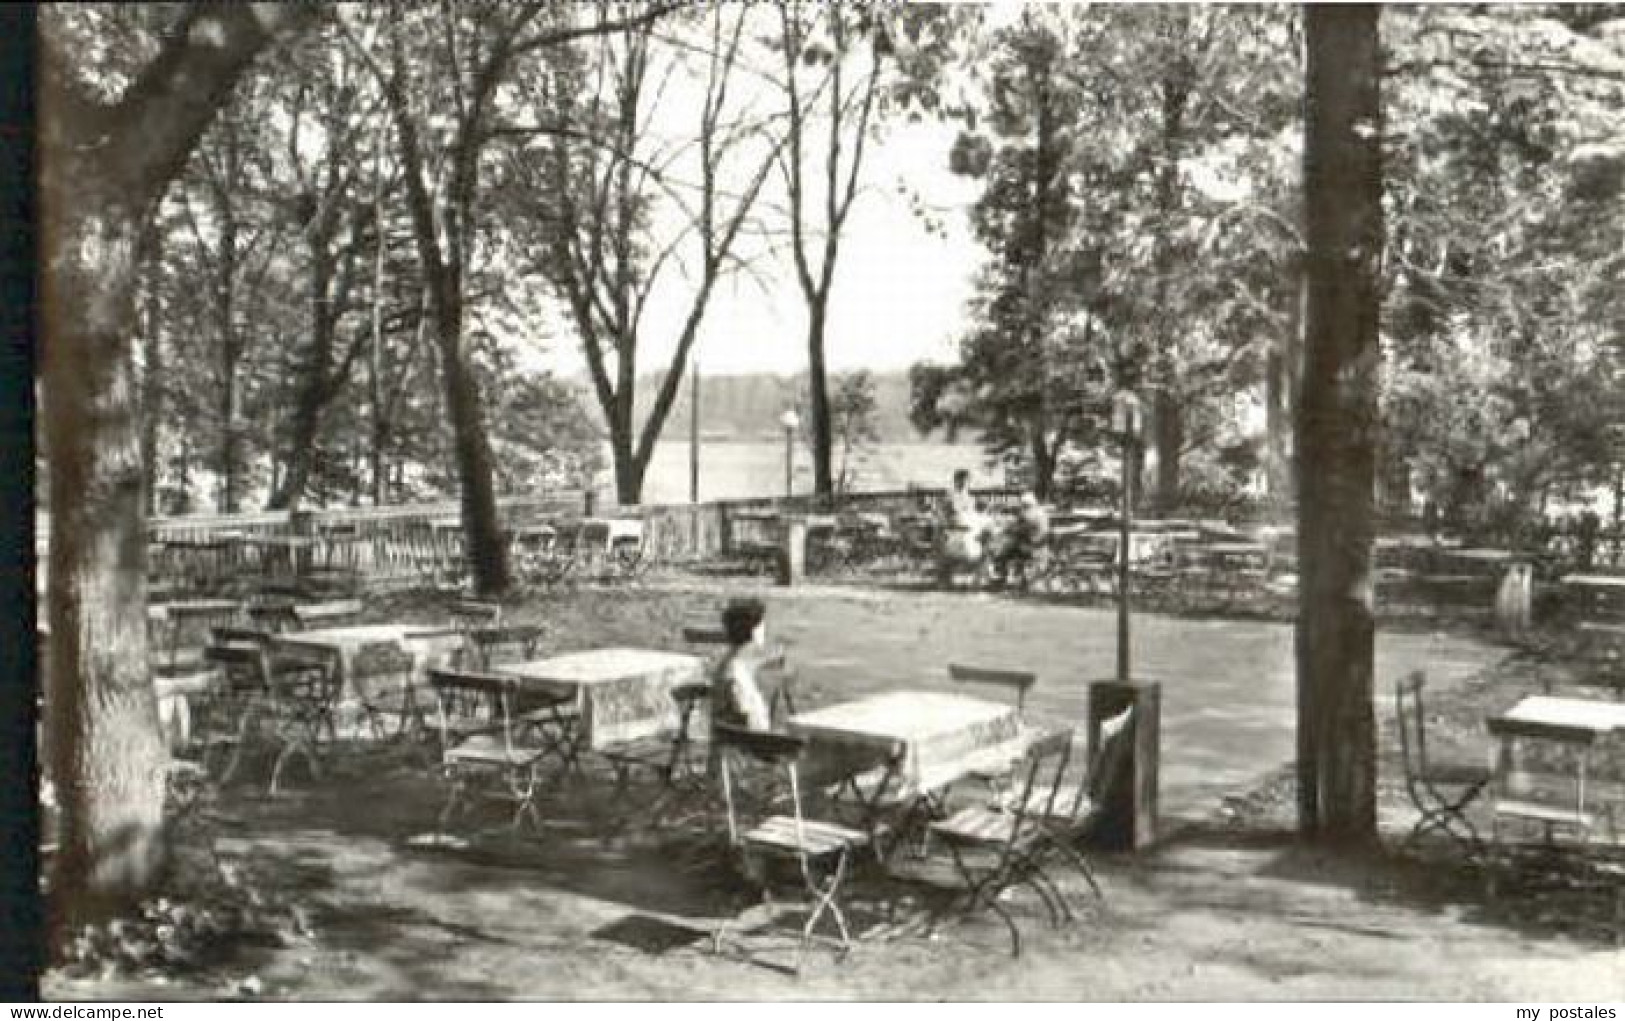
1168	431
1337	425
488	554
230	355
443	267
152	375
102	168
1168	412
818	397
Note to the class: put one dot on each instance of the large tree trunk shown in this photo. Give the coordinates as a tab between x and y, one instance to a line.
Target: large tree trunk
1280	384
102	167
818	397
1043	464
230	355
105	753
443	271
1337	425
1168	426
623	447
1168	412
314	389
488	554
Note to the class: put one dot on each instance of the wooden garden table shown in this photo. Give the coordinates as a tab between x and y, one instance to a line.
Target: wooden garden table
428	645
1555	799
186	617
925	740
621	694
1590	586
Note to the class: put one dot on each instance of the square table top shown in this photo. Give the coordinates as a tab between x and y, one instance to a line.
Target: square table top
1482	554
1595	580
930	739
602	666
276	541
212	541
1550	713
908	716
357	635
192	607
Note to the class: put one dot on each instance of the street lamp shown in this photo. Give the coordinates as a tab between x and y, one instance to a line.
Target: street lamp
1126	424
791	422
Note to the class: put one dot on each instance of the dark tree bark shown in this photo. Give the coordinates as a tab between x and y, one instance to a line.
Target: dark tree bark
332	276
443	268
1281	377
1168	411
102	168
1337	425
230	346
152	371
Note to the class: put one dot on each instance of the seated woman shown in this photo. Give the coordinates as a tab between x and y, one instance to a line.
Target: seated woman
1025	528
736	692
966	530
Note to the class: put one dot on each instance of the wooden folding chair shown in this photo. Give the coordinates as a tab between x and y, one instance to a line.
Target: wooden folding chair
383	675
996	848
1440	791
1018	682
272	615
706	636
478	740
262	689
335	613
821	851
493	644
1072	810
677	759
468	614
1007	683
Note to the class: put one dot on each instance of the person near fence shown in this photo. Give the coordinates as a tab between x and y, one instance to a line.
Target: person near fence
965	529
1025	527
1586	538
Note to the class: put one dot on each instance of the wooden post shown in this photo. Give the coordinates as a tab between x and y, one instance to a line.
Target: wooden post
1128	820
793	550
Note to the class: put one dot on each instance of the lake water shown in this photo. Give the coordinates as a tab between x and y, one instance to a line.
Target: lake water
733	469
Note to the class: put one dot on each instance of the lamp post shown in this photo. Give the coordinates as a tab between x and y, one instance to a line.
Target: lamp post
791	421
1126	424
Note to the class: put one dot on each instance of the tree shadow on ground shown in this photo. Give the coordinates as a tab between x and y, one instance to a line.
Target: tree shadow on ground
1438	878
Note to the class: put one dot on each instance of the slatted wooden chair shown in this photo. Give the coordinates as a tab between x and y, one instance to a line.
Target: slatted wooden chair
821	852
1072	810
468	614
383	675
291	698
1007	682
493	644
677	760
704	635
997	848
333	613
1441	791
272	615
480	741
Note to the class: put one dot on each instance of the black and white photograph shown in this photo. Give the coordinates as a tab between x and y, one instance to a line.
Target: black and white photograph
706	500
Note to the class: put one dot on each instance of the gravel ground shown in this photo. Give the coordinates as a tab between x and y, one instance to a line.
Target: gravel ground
1228	907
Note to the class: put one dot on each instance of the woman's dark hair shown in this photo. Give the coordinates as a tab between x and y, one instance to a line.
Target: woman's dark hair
740	617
